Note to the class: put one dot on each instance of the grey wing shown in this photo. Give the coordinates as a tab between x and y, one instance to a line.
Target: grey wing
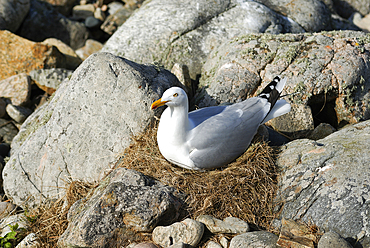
221	138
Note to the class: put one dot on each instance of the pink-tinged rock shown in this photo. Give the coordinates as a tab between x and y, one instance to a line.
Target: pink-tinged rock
17	88
20	55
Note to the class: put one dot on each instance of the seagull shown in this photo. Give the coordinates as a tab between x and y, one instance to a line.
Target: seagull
212	137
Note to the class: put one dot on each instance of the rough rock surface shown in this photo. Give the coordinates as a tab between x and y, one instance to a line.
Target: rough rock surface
7	131
330	70
187	231
82	130
332	239
18	113
43	21
297	123
72	59
49	79
258	239
30	241
192	32
315	17
326	182
90	47
16	88
229	225
346	8
23	55
12	14
126	199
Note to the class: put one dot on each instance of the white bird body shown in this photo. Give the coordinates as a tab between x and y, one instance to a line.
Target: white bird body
212	137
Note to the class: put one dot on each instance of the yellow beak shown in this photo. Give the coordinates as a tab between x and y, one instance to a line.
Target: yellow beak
158	103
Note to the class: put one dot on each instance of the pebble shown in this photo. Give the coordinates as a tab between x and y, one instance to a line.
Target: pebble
18	113
99	14
91	46
258	239
229	225
321	131
295	234
81	12
213	244
30	241
187	231
92	22
332	239
113	7
224	242
17	88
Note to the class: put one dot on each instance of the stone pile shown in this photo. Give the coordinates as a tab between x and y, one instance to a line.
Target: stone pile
67	111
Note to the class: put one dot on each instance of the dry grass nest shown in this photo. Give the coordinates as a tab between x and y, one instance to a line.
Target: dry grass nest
243	189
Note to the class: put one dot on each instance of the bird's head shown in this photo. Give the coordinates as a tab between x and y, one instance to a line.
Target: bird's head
174	96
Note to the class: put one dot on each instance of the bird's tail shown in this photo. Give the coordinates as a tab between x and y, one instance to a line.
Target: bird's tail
272	93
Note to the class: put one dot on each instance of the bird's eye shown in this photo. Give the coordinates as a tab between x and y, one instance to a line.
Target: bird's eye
175	95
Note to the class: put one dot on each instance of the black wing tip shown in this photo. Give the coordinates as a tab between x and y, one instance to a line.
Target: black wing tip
270	92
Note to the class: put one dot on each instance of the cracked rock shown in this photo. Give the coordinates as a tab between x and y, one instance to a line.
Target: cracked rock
83	129
326	71
193	31
326	182
125	201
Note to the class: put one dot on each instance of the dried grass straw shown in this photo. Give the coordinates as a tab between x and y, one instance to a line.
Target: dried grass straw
50	220
244	189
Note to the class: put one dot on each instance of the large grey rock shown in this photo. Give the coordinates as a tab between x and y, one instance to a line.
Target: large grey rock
81	132
126	200
329	70
12	13
43	21
181	31
326	182
312	15
258	239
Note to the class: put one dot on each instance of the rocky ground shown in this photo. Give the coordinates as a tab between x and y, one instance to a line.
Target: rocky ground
76	83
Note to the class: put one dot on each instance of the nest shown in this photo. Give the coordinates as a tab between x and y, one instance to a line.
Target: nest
244	189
